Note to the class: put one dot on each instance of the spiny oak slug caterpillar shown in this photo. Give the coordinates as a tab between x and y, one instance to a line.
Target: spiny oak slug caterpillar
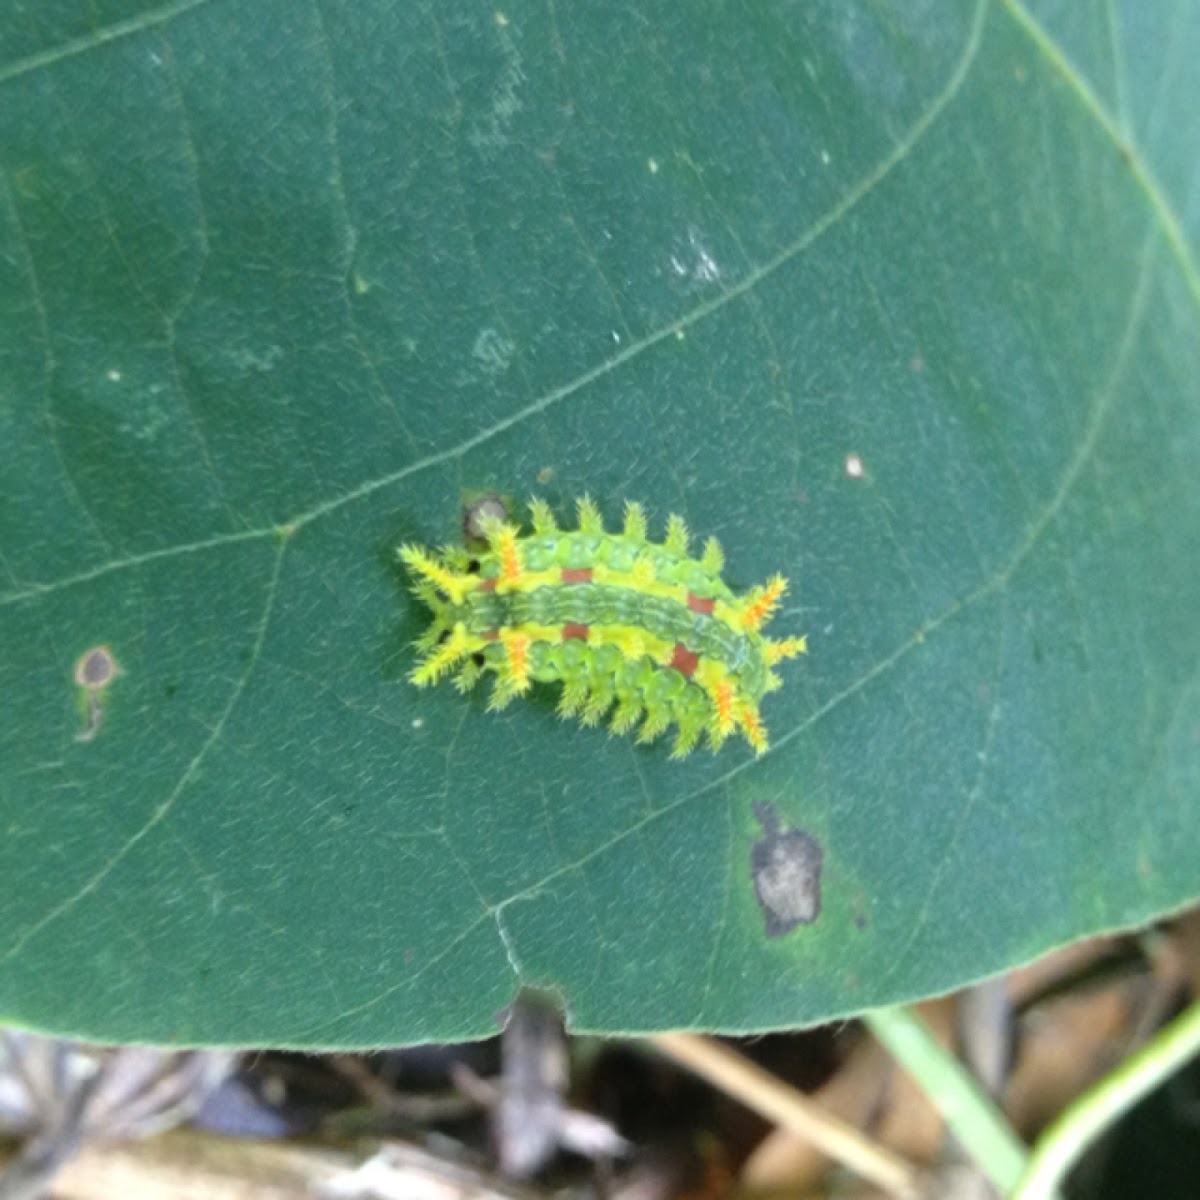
617	619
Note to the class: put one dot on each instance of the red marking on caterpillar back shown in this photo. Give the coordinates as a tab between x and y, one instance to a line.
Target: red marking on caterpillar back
663	653
684	661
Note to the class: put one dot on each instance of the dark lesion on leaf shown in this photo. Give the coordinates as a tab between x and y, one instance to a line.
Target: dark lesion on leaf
785	867
95	669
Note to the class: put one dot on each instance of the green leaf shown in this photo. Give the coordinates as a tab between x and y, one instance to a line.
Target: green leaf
900	301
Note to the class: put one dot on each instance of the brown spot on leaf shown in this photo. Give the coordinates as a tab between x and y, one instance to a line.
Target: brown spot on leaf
786	868
701	604
574	631
577	574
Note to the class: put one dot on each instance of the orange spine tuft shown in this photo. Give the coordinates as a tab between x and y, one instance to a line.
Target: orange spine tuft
722	697
516	646
753	728
763	603
509	554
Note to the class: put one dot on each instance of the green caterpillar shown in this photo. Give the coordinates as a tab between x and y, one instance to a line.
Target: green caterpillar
626	625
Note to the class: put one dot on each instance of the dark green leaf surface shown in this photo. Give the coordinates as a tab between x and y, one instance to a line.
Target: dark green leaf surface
281	282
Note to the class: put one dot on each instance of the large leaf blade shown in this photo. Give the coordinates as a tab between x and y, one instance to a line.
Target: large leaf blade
287	282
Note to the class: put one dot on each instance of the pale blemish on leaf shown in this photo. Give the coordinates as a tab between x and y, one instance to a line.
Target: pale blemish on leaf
147	416
692	260
255	360
95	669
493	351
478	512
491	134
786	868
